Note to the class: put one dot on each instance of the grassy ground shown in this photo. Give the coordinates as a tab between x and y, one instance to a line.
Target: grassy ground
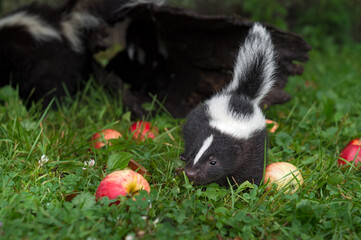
320	120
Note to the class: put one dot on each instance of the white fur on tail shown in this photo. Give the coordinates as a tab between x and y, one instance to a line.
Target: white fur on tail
258	43
257	53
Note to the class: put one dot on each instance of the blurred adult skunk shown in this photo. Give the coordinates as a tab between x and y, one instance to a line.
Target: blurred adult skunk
43	48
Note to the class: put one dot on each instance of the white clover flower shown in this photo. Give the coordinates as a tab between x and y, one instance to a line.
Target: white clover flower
89	163
44	159
129	237
156	221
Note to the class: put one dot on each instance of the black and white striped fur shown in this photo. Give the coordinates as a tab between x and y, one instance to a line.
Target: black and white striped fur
225	136
43	48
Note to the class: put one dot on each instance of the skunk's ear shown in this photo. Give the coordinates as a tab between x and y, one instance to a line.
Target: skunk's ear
255	66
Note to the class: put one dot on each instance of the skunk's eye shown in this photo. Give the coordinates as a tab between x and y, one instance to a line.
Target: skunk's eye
212	160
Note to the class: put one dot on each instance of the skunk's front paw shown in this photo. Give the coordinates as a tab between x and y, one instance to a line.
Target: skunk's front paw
183	157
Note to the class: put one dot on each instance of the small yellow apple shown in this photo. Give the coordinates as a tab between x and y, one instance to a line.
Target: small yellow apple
283	174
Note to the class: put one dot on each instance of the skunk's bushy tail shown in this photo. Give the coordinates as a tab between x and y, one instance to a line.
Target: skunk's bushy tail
255	66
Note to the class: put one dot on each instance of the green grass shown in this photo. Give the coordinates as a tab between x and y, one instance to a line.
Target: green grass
319	121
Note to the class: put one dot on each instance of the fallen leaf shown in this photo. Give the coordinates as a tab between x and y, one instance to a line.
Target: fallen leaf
137	168
275	125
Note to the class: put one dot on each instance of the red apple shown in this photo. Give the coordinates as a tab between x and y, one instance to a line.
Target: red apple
283	174
142	130
124	182
108	134
356	142
352	152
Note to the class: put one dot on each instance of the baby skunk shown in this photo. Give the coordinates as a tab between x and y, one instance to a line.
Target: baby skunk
225	137
43	48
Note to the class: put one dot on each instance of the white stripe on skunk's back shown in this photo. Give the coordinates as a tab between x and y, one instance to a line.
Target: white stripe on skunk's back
71	28
37	27
231	123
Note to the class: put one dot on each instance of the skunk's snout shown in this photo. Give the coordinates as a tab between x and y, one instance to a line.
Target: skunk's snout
191	174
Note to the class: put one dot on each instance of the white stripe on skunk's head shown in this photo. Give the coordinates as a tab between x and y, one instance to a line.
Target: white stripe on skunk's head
37	27
227	120
206	144
73	26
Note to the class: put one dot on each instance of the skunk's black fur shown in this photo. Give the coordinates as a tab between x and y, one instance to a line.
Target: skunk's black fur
225	137
43	48
143	64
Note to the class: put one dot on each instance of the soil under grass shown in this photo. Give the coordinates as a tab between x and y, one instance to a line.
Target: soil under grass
37	196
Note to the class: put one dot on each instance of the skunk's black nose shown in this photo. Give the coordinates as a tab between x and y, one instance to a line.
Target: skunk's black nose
191	174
